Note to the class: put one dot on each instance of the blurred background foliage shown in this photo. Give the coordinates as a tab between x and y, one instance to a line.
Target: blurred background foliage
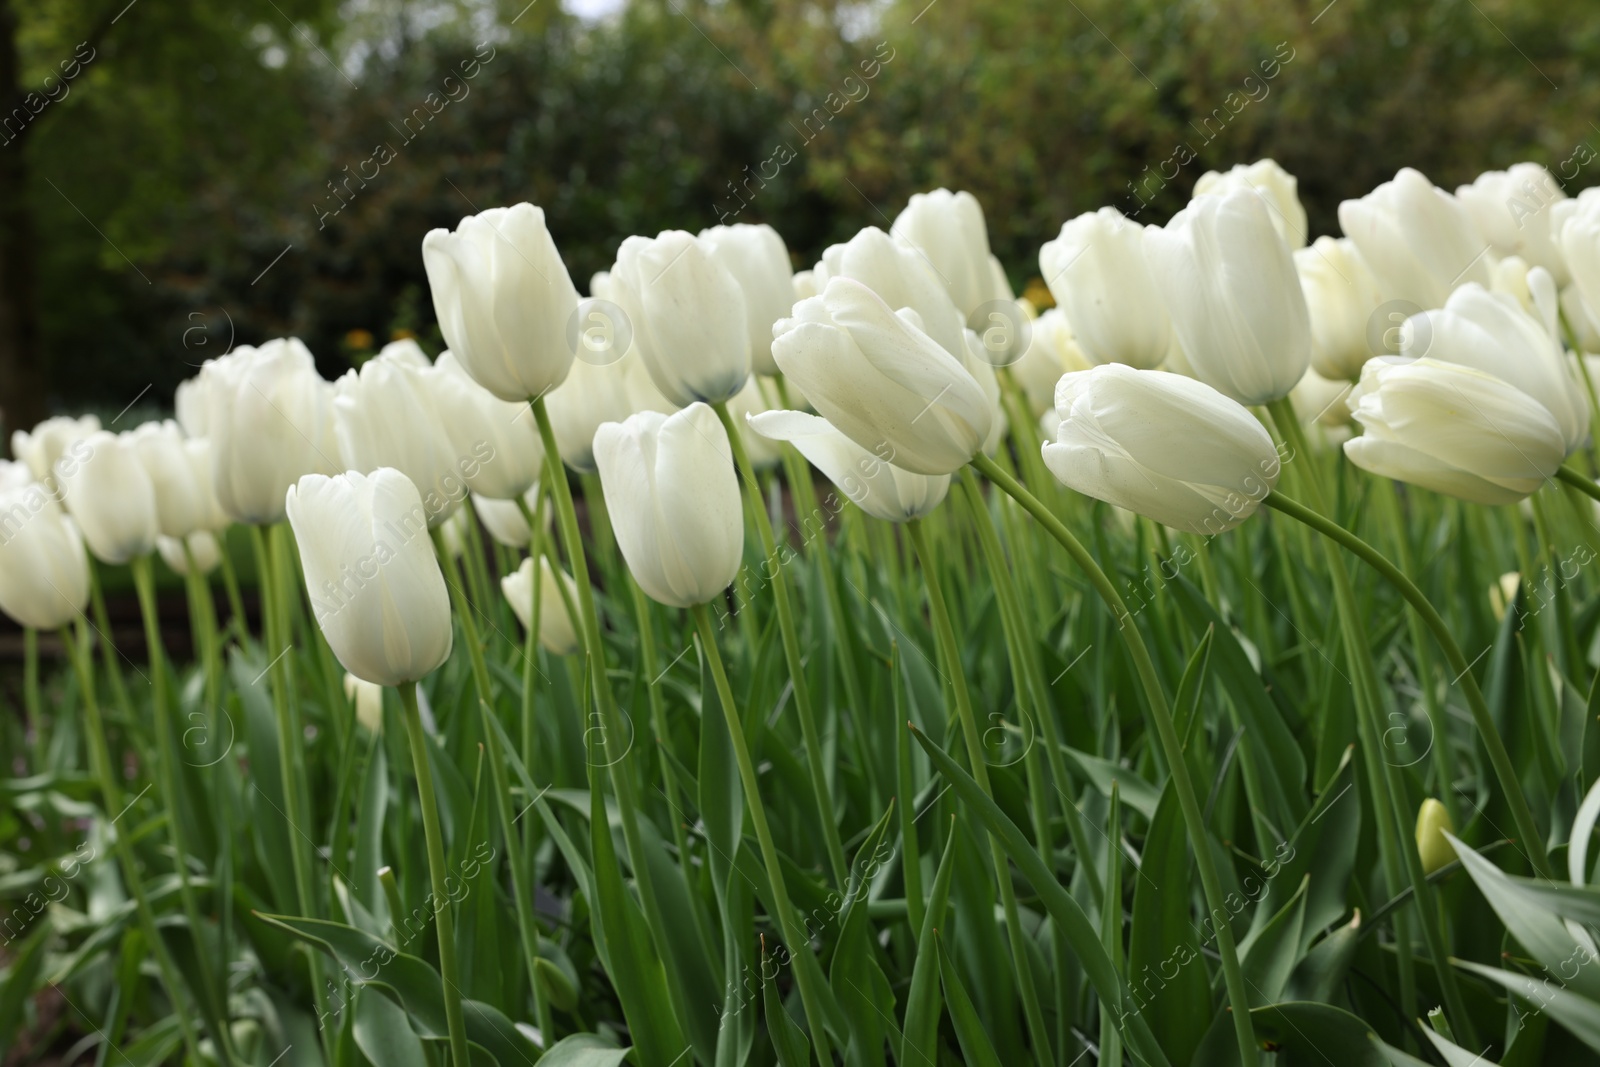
217	173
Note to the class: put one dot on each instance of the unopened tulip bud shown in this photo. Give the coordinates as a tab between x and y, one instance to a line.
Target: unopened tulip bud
44	573
558	630
1418	239
1433	822
1342	296
373	578
1454	430
759	261
44	446
204	552
368	701
949	230
504	300
504	518
1168	447
385	416
1278	189
110	497
1230	286
902	277
877	487
673	498
1096	270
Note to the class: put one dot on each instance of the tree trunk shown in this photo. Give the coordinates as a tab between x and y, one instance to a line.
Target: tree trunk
22	376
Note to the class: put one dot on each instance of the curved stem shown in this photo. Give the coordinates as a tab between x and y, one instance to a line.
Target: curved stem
1160	715
791	650
799	944
1499	758
1579	481
100	759
436	874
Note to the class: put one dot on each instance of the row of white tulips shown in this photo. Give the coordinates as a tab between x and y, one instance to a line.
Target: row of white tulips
1441	324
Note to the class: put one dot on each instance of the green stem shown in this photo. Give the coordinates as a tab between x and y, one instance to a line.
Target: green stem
791	651
30	679
1160	714
521	892
950	652
799	944
1499	758
108	647
436	873
100	758
617	738
171	792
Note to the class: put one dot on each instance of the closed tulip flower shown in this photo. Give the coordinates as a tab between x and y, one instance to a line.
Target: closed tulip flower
688	316
374	582
49	441
1579	238
593	393
1454	430
202	464
1490	332
504	519
949	229
1054	351
1513	210
495	443
1533	288
44	573
1278	189
1418	239
504	300
1342	295
1229	283
203	551
110	497
673	498
1097	272
191	407
368	701
558	631
902	277
407	351
882	381
385	416
805	285
182	504
1168	447
880	489
270	422
759	261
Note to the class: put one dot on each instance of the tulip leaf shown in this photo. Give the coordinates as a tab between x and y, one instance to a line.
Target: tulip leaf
788	1040
970	1032
273	847
1268	955
369	830
920	1041
383	1033
1577	1014
1067	913
584	1050
1171	983
858	982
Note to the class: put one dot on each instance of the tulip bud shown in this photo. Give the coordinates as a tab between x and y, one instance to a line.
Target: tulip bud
1230	286
504	519
368	701
558	631
504	300
49	441
592	394
1433	848
1454	430
109	495
373	579
1490	332
761	451
1503	594
182	502
881	489
805	285
270	420
949	230
44	574
191	407
758	260
1096	270
1319	400
1513	210
883	382
688	316
385	416
405	351
495	443
1278	189
1534	290
902	277
1342	296
203	549
1584	324
673	497
1168	447
1418	239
